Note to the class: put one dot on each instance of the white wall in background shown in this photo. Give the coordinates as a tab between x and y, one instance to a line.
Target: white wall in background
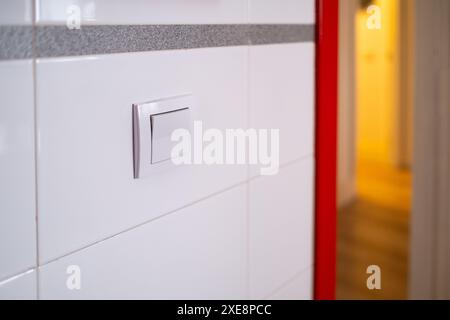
430	250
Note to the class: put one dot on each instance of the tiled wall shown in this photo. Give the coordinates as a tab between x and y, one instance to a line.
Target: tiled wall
18	256
193	232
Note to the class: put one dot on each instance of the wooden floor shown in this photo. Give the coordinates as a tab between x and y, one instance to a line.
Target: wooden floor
374	230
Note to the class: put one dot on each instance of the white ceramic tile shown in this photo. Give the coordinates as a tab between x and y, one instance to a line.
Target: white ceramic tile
282	11
281	227
198	252
282	96
21	287
85	162
145	11
299	288
15	12
17	192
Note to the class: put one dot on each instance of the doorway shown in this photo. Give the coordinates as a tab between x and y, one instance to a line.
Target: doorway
374	148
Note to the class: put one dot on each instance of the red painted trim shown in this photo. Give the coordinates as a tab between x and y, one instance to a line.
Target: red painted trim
326	148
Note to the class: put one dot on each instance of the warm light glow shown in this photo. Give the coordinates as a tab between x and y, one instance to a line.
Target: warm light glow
377	53
377	89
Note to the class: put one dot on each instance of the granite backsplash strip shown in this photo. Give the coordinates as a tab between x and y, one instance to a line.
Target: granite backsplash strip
281	33
16	42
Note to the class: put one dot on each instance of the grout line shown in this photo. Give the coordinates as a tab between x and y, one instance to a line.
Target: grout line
36	145
248	19
16	276
288	281
248	11
248	221
284	165
174	211
247	185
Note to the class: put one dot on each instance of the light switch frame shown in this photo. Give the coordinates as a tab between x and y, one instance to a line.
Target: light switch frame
142	131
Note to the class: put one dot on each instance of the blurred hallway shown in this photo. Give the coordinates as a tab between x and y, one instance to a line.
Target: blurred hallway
374	230
375	184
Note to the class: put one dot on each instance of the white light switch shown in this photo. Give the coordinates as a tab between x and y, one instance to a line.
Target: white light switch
153	124
163	125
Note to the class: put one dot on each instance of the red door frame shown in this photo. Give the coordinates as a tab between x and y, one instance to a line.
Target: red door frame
326	148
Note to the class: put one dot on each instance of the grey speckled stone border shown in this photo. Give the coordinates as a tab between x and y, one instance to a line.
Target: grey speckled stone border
59	41
16	42
267	34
